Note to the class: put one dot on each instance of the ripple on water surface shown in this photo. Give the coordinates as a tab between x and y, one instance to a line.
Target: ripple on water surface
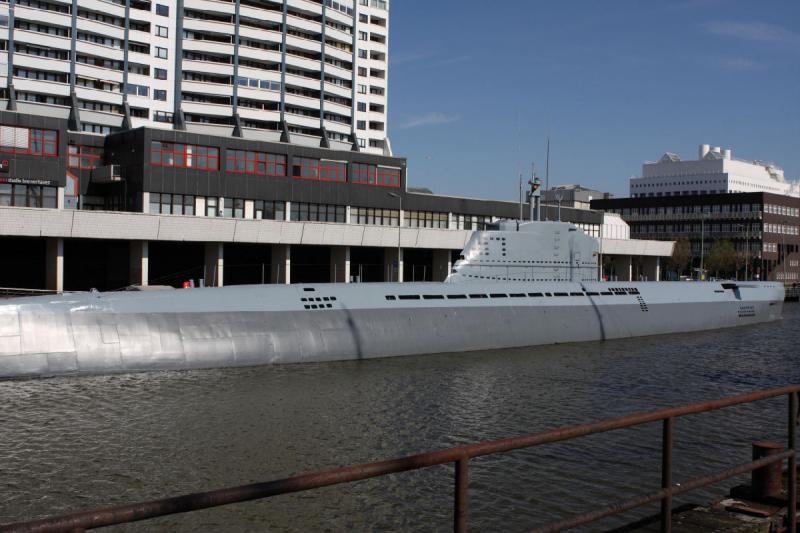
75	443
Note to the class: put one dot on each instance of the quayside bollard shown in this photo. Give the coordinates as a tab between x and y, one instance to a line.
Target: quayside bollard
766	481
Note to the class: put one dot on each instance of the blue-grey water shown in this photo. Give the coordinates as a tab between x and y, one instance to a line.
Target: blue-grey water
75	443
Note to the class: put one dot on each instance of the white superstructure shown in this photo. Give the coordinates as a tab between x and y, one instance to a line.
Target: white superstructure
312	70
715	171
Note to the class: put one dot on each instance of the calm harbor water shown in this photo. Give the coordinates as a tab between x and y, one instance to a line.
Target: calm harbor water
75	443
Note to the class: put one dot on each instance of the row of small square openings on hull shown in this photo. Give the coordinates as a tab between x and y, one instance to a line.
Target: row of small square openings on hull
392	297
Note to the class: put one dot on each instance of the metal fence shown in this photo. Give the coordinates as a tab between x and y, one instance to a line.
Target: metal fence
461	457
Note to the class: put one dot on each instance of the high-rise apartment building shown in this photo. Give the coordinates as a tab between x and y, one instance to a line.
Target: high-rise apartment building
306	72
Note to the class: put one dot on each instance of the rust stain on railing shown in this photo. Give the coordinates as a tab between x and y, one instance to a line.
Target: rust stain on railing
461	456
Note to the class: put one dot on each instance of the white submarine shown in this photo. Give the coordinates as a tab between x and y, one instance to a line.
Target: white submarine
516	284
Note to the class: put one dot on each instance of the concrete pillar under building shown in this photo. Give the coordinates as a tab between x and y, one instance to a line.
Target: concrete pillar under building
340	264
139	263
392	271
651	268
442	264
54	271
630	268
214	264
281	268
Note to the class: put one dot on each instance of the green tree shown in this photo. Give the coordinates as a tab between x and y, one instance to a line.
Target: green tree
681	255
722	259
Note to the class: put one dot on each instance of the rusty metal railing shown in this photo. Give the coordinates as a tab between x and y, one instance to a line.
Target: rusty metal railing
461	456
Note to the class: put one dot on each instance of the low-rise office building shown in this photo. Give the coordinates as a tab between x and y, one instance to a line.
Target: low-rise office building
762	227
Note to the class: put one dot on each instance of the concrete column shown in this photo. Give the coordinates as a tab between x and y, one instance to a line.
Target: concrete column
54	269
442	264
145	202
340	264
249	209
652	268
281	268
200	207
392	272
139	263
214	265
347	219
287	211
60	198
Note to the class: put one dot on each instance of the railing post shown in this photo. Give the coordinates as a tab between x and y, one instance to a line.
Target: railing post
666	474
461	495
791	508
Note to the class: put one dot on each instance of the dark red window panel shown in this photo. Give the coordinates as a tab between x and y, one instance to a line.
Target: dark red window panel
181	155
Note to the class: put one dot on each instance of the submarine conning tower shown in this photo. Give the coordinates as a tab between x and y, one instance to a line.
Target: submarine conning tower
528	251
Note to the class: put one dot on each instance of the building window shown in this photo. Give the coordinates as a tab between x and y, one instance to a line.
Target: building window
319	169
85	157
361	124
362	71
162	10
161	52
31	141
374	175
362	53
362	106
28	195
259	163
171	204
211	206
160	73
379	217
234	208
184	155
475	222
137	90
162	31
363	36
269	210
424	219
162	116
362	89
317	212
160	94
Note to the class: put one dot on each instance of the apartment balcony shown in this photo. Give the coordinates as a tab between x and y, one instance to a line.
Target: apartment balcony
209	26
338	71
203	108
339	90
262	115
260	95
201	87
338	53
338	108
103	7
303	63
338	127
302	101
259	34
303	24
42	16
85	47
145	59
338	16
100	28
139	36
302	120
260	14
40	63
98	73
339	34
43	87
301	81
246	52
96	95
48	41
308	45
208	46
210	6
307	6
210	67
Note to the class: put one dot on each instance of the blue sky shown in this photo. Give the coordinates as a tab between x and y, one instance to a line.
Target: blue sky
475	87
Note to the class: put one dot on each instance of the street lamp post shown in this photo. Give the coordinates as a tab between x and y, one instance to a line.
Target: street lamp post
399	228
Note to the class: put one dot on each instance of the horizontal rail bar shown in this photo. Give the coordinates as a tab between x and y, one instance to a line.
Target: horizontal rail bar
215	498
639	501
